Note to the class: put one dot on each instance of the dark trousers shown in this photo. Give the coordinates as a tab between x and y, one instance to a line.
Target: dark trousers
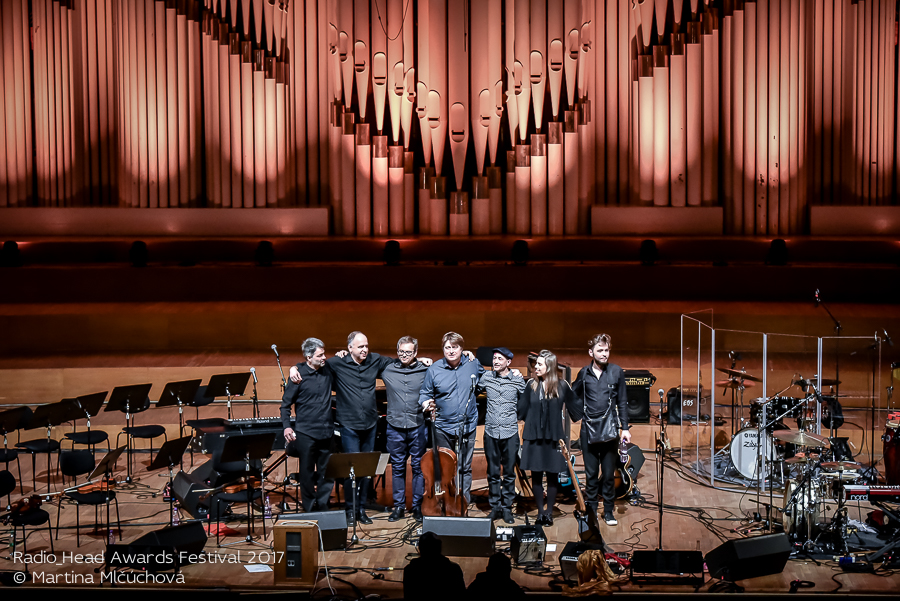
314	454
501	454
403	443
542	499
463	456
600	462
357	441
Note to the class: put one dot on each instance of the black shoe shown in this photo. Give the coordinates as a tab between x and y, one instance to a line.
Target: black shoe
417	514
495	514
397	514
610	518
350	518
508	516
363	518
539	521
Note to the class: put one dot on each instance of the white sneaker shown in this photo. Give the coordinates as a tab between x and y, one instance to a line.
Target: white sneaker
609	518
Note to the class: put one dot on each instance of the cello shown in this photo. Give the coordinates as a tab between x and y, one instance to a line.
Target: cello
442	495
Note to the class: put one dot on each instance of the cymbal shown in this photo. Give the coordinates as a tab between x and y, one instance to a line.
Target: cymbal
841	466
740	375
802	459
803	439
735	384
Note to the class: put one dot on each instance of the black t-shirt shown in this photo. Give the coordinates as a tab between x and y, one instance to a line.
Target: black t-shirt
311	399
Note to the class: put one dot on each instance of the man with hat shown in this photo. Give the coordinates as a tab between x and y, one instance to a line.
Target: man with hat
501	432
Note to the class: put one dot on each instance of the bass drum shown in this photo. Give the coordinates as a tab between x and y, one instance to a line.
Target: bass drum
803	512
744	455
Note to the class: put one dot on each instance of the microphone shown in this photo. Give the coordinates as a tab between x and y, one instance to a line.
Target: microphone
275	349
253	371
473	383
661	394
818	300
888	338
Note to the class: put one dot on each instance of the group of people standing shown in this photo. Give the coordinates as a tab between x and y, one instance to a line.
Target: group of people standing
446	389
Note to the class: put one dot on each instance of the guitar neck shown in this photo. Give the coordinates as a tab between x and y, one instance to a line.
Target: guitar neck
576	483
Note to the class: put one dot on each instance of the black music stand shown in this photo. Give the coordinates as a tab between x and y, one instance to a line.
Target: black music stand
10	421
129	400
179	394
89	405
247	448
353	466
169	455
47	416
229	386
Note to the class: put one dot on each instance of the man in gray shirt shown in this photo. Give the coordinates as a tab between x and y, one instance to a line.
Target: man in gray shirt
501	432
406	432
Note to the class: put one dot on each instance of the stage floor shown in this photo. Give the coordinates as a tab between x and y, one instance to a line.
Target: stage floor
697	517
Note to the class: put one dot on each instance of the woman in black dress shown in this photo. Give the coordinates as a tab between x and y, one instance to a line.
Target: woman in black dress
541	406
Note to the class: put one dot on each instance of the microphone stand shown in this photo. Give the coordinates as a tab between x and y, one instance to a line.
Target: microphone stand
837	350
255	397
278	360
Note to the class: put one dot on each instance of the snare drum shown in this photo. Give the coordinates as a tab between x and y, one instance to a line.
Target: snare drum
743	452
891	440
802	516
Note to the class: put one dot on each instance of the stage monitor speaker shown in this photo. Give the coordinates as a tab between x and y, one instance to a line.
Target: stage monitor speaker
185	488
160	550
528	544
332	526
296	546
568	559
463	537
671	566
743	558
638	383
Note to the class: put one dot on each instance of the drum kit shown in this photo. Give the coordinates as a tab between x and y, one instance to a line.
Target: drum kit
801	462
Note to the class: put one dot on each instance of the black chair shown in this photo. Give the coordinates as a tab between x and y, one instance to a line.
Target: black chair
40	446
233	471
23	519
88	438
7	456
148	432
79	463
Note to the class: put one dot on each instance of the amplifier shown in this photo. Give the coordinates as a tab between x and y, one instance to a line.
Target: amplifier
638	383
463	537
528	544
568	559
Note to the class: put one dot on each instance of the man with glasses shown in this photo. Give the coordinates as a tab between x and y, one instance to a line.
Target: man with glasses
406	431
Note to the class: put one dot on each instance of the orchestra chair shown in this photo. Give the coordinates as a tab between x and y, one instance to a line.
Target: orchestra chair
40	446
33	517
148	432
79	463
7	456
88	406
233	471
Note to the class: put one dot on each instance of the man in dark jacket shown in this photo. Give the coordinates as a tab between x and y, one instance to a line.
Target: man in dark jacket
600	394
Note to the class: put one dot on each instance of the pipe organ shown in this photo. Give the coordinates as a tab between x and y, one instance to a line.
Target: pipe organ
402	115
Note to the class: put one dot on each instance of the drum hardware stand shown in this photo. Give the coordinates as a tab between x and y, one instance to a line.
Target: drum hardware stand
761	432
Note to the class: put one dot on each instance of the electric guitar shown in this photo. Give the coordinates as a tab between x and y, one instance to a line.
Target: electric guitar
585	515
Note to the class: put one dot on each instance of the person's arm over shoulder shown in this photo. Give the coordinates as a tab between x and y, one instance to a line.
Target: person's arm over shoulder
381	361
518	381
481	387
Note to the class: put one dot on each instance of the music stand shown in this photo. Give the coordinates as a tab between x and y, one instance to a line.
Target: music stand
247	448
89	405
129	400
353	466
180	394
170	454
228	385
